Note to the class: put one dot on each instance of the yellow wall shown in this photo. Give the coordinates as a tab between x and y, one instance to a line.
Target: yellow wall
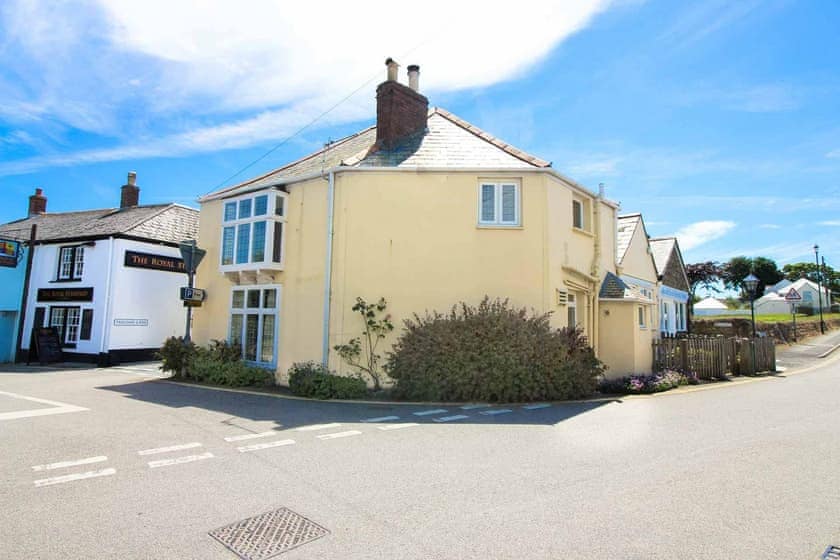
626	348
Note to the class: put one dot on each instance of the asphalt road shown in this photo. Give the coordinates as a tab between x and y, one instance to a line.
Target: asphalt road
739	472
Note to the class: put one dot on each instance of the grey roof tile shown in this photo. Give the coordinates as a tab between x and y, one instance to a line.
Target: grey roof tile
662	248
612	287
626	227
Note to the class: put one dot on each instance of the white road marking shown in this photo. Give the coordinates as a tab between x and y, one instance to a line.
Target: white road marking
72	477
381	419
62	464
179	460
450	418
474	406
267	445
251	436
58	408
536	406
336	435
314	427
430	412
170	448
397	426
495	411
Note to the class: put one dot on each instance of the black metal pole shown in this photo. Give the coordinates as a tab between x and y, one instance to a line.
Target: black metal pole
793	312
33	235
819	286
190	275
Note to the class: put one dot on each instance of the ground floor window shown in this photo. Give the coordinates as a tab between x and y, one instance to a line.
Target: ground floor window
73	324
253	322
571	310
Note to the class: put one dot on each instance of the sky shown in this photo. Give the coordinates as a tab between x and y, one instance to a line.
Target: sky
717	120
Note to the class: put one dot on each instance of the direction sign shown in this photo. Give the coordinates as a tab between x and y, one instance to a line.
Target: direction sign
793	295
193	294
191	254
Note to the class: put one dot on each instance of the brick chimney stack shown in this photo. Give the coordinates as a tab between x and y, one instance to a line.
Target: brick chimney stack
37	203
401	110
130	192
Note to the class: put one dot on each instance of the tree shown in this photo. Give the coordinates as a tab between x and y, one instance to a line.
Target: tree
705	274
830	277
364	357
738	268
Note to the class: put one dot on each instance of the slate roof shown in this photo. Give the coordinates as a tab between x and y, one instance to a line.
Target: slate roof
612	287
168	223
448	142
662	248
627	225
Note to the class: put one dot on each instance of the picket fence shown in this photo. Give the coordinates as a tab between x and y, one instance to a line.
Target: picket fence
711	357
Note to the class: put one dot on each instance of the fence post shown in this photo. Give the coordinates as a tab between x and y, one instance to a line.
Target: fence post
684	354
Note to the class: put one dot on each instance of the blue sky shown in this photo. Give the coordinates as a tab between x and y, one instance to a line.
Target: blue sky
717	120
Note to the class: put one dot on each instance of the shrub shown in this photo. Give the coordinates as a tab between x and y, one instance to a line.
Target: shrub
364	357
313	380
654	383
210	369
491	352
176	355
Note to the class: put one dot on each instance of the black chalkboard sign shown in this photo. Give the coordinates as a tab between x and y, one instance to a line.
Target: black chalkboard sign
47	345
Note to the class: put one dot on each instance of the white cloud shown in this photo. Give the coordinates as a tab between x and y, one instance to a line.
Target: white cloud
833	154
698	233
770	226
195	76
830	223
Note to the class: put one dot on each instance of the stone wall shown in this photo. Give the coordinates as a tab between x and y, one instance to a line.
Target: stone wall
781	332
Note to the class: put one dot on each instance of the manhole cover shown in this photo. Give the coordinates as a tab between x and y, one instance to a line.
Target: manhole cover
267	534
831	553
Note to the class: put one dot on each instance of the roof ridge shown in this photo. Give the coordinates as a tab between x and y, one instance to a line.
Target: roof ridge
487	137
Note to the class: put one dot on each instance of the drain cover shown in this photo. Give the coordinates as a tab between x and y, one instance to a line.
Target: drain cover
267	534
831	553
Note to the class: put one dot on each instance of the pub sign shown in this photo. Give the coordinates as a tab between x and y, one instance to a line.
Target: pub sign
9	251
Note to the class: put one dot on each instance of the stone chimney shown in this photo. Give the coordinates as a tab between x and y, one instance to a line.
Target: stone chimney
130	192
401	111
37	203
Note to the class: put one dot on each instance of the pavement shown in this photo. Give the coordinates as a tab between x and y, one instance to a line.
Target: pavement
809	351
113	463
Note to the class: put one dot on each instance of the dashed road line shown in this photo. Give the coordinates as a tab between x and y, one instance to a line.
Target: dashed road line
63	464
381	419
266	445
397	426
73	477
250	436
170	448
536	406
336	435
315	427
450	418
474	406
179	460
430	412
495	411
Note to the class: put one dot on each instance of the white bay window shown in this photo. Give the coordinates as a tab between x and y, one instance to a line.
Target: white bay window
252	232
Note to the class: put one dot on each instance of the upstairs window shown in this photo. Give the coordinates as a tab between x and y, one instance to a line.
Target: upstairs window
580	214
71	263
499	204
252	230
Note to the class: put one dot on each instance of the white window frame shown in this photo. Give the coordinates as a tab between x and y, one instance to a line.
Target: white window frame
76	262
584	206
571	308
642	312
498	187
70	324
271	220
261	311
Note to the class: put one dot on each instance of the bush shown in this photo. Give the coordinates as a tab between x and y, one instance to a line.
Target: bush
655	383
220	363
493	353
313	380
176	355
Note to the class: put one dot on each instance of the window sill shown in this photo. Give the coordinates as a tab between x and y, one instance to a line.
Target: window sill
499	226
251	267
64	280
583	232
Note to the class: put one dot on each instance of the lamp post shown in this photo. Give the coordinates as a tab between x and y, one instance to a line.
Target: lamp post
819	286
751	283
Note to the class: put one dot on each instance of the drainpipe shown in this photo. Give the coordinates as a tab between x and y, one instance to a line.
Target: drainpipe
104	358
325	342
33	236
595	270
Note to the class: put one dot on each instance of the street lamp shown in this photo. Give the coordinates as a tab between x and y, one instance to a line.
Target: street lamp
751	283
819	286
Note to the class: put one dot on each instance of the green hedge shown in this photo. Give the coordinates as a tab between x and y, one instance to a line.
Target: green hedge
492	353
219	363
313	380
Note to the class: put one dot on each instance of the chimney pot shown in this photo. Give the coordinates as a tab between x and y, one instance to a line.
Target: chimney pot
37	203
130	192
132	178
414	77
393	68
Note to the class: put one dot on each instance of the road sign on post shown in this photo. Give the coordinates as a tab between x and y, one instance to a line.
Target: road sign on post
193	294
192	256
793	297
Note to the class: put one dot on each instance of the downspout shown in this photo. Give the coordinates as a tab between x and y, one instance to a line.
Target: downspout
595	271
33	236
325	341
105	360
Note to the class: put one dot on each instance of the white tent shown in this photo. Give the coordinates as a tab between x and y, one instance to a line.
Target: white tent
774	302
710	306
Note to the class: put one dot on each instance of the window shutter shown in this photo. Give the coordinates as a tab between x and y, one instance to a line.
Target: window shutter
488	203
87	324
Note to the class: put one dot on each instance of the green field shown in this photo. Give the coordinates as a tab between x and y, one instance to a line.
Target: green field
773	317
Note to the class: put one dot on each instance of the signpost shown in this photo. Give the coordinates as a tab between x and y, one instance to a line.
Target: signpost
10	252
192	256
793	297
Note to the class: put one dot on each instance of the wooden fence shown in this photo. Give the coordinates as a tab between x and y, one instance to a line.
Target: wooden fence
710	357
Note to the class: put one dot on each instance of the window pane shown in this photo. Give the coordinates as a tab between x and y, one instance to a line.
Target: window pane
242	243
230	211
509	204
278	242
251	328
228	236
571	316
261	205
280	206
236	328
253	299
245	208
488	203
238	299
57	318
258	243
577	214
65	268
267	346
270	299
80	262
74	319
